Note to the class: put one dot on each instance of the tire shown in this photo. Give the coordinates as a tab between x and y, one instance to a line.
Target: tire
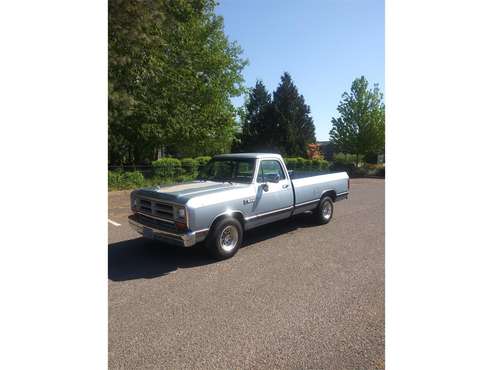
324	212
225	238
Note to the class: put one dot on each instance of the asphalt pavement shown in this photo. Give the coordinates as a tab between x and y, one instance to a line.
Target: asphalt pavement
295	296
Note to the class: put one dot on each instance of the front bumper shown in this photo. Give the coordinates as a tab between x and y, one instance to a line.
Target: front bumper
186	239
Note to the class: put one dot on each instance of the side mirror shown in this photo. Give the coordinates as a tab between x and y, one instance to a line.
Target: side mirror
265	187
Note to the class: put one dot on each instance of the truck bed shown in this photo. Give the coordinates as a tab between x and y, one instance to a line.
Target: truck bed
309	187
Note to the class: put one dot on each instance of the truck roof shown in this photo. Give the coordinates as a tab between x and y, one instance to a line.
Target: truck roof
249	155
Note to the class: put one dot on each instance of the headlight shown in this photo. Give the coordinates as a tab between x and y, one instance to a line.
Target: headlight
181	213
180	218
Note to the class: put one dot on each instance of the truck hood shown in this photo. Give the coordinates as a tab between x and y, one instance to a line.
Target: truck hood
181	193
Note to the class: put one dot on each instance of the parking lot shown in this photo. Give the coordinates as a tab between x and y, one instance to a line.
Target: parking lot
295	296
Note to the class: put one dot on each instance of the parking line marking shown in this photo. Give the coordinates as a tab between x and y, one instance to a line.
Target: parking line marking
114	223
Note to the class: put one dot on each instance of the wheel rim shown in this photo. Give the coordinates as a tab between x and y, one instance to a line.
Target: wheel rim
228	238
326	210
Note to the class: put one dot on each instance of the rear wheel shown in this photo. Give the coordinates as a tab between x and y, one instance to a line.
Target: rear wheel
325	210
225	238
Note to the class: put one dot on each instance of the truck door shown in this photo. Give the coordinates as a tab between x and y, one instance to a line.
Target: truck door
274	199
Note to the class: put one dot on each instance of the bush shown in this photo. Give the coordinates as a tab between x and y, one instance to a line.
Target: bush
290	163
309	165
170	170
359	172
189	166
114	179
345	158
133	179
375	169
371	158
125	180
301	163
202	161
182	178
342	166
319	164
167	167
363	171
373	166
324	165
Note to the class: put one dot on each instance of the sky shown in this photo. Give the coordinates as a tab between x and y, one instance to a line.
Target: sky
323	44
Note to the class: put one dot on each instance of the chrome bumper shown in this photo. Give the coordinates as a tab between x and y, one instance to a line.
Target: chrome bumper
187	239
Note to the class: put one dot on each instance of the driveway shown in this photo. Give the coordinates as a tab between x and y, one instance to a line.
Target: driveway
295	296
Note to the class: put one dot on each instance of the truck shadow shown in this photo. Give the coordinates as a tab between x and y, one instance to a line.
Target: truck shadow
146	259
274	229
141	258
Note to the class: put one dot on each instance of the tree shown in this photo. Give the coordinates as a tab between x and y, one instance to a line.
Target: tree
171	74
360	128
293	125
280	124
314	151
257	126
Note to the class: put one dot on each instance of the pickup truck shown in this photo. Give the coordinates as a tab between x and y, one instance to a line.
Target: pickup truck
233	193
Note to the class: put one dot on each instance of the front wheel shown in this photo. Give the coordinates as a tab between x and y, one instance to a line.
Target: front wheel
225	238
324	212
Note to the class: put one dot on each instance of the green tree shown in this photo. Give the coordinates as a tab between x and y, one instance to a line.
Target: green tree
360	128
293	125
257	125
171	74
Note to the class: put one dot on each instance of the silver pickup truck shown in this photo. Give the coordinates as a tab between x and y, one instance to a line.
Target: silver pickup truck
233	193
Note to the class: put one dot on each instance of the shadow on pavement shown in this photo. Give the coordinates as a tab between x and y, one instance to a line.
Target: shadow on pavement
274	229
145	259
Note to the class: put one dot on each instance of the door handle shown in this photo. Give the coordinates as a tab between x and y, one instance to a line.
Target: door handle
285	186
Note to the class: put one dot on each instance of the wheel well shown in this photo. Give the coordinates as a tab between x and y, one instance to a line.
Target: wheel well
237	215
330	193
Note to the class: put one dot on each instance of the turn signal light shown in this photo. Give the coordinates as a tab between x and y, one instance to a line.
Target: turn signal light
181	226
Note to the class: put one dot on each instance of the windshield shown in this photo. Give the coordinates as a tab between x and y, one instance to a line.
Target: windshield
228	170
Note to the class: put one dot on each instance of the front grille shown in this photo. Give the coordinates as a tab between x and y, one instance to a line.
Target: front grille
154	222
155	208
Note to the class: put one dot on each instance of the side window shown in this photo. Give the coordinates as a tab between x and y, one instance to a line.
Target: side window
269	170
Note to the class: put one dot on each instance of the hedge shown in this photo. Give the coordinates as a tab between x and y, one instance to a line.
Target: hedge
345	158
171	167
366	170
202	161
172	170
189	166
167	167
290	163
125	180
302	164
